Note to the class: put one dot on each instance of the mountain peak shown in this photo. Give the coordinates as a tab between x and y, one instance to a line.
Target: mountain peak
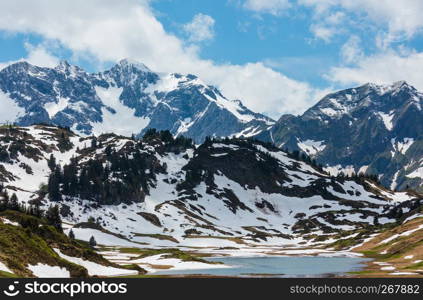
71	70
63	65
22	64
379	97
130	63
402	84
390	88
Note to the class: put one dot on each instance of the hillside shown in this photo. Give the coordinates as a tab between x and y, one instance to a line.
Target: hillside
397	251
162	191
30	247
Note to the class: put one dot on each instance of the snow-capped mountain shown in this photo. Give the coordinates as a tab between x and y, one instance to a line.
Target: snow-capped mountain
374	129
127	99
165	191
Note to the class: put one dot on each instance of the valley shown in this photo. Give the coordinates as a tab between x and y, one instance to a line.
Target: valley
129	172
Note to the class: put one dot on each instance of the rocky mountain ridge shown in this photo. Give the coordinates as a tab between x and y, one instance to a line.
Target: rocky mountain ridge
127	99
373	129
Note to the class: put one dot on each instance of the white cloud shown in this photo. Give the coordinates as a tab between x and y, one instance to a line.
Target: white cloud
110	30
326	24
323	32
37	55
264	89
382	68
351	51
335	18
274	7
201	28
402	19
393	20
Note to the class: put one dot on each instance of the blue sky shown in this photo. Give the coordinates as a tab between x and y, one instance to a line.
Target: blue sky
277	56
242	36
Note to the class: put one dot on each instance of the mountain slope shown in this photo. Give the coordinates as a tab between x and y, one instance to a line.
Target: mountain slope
127	99
373	129
32	248
397	251
163	191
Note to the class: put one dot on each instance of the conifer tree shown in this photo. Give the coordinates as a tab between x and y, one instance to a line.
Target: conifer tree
92	242
52	162
54	185
13	202
53	217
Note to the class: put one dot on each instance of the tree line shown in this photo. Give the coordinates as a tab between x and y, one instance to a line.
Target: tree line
51	215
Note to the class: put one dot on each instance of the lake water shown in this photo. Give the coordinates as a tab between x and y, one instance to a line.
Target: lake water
292	266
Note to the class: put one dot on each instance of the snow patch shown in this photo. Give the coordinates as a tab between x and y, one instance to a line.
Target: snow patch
10	111
45	271
4	268
95	269
312	147
53	108
406	233
416	174
387	119
403	146
123	122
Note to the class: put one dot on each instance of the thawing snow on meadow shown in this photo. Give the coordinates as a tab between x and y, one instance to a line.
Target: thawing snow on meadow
148	263
101	238
406	233
387	268
4	268
95	269
7	221
45	271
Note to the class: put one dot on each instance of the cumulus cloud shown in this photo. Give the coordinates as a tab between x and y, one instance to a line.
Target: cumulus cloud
201	28
402	19
274	7
110	30
395	21
323	32
264	89
351	51
327	26
382	68
37	55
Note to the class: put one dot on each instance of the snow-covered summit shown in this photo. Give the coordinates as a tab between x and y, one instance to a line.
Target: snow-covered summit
95	103
353	130
128	63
